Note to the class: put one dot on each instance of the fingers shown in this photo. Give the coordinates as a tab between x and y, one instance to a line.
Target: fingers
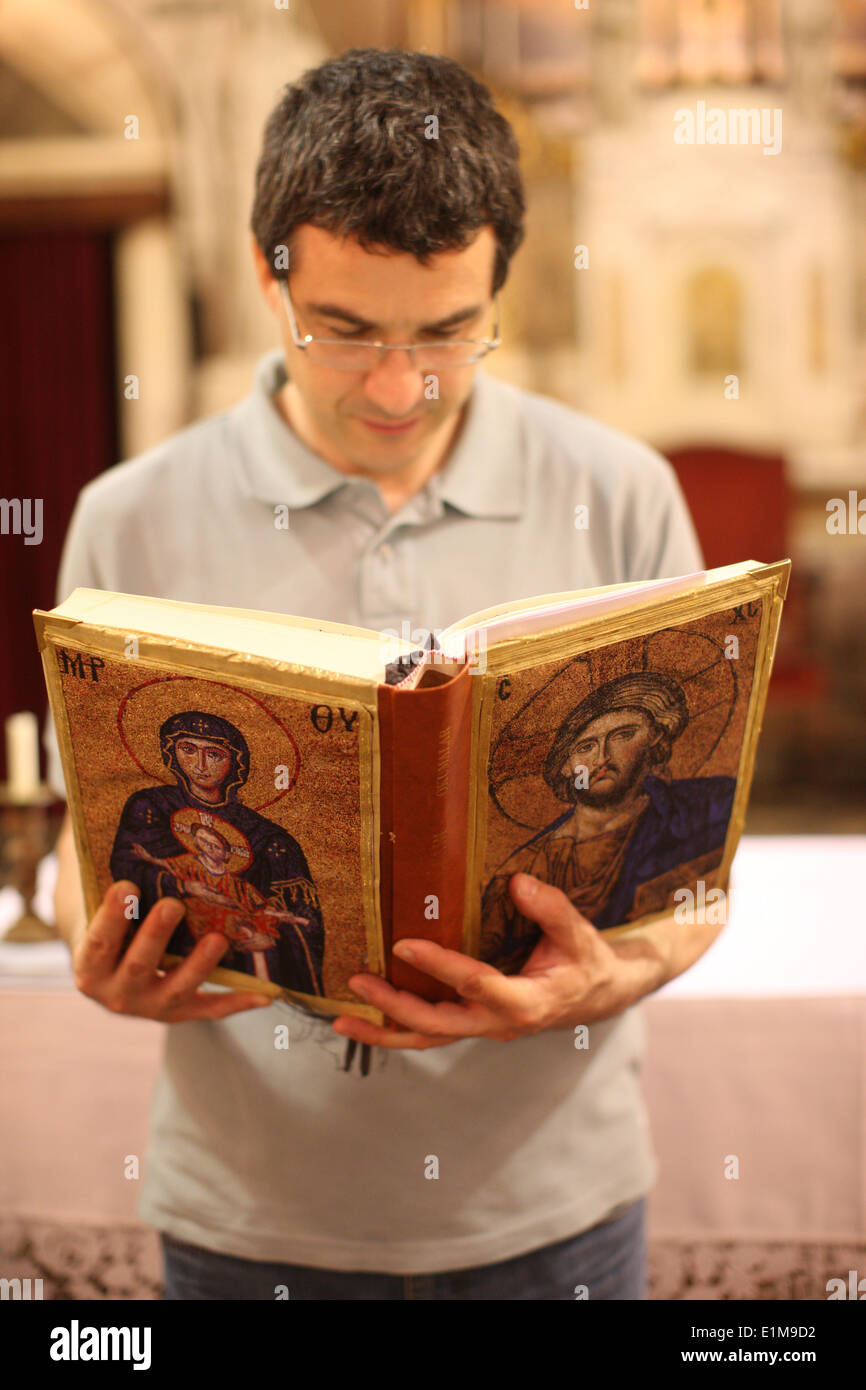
200	1006
177	997
148	946
514	996
550	908
183	979
349	1026
517	1000
451	967
96	955
131	984
433	1020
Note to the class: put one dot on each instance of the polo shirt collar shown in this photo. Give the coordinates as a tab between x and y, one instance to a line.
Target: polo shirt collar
482	475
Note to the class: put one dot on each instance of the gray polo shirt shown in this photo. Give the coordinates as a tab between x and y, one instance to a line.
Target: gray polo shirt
279	1154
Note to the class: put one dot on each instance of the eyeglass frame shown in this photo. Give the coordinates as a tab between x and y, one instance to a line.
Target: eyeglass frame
487	344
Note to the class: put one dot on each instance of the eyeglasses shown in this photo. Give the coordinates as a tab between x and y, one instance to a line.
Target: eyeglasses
350	355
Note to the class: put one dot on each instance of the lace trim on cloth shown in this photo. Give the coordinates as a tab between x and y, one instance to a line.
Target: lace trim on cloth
124	1262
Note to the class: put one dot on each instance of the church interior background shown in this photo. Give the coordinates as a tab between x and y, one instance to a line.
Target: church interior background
708	298
653	273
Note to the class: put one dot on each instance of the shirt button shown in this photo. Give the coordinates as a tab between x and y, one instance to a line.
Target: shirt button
385	552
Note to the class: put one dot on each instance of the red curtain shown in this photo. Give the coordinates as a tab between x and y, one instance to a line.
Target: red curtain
740	502
57	420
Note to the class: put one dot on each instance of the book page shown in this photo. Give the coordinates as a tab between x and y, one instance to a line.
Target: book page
318	645
540	614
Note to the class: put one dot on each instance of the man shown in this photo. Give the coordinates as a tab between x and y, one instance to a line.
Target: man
485	1155
627	834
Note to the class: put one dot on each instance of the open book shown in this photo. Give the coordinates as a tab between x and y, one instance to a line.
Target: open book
315	791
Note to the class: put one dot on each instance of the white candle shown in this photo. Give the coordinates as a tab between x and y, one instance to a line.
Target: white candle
22	755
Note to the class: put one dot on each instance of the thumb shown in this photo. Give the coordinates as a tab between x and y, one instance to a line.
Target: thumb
550	908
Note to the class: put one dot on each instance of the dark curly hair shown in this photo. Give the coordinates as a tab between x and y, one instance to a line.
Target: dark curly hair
346	148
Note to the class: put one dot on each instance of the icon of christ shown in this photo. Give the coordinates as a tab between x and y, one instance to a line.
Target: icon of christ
628	836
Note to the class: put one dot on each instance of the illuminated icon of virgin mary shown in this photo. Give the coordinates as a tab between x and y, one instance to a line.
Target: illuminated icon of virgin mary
625	826
238	872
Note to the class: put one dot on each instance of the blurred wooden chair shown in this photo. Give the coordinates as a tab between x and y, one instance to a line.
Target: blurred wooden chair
741	504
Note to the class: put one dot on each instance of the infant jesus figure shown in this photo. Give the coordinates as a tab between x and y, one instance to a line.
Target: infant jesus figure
220	901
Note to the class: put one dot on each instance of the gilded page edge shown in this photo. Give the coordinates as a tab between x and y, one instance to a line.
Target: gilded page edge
482	715
589	634
289	621
157	651
236	979
75	805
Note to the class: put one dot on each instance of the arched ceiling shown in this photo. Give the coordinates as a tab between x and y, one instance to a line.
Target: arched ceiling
82	59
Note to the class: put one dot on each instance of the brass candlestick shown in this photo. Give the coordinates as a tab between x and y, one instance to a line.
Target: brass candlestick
28	831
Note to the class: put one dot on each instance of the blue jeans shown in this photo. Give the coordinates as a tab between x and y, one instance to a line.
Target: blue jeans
608	1260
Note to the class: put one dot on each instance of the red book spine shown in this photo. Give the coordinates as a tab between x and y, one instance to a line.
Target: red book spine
425	740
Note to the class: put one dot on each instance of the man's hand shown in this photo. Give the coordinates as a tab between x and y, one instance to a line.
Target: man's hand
130	984
573	976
